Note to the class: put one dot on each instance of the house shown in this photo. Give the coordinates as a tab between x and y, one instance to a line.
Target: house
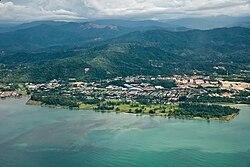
32	87
72	79
128	86
86	70
199	81
159	87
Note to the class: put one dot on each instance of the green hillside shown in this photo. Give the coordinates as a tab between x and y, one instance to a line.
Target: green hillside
151	53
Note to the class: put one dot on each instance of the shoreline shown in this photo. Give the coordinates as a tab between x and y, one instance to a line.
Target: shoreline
15	97
222	119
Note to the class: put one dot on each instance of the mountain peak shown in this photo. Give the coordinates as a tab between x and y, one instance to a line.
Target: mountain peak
90	25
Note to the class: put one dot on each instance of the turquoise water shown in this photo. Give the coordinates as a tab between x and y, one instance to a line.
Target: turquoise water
33	136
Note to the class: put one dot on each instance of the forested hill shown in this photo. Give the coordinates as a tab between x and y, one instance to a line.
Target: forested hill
150	52
236	36
41	36
56	35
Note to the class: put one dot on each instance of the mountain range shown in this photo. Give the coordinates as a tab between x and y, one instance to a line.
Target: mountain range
41	51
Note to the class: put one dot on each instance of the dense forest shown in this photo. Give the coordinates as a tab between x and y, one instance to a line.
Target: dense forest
56	100
202	110
152	52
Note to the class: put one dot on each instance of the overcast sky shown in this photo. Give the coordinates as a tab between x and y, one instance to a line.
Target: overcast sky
30	10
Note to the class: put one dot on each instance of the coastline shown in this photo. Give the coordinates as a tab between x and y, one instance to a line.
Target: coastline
37	103
222	119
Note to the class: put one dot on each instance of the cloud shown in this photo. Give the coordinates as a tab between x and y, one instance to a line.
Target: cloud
28	10
222	5
11	12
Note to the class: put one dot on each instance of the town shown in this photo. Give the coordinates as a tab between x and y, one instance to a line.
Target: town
160	95
168	89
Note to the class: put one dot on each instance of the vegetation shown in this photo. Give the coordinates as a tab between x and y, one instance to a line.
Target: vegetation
192	110
149	53
56	101
182	110
47	51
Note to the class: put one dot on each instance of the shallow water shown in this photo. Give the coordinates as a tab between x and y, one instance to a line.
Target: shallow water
33	136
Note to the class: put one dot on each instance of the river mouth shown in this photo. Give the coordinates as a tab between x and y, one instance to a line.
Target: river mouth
39	136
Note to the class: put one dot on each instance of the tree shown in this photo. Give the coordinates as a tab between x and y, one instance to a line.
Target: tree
151	112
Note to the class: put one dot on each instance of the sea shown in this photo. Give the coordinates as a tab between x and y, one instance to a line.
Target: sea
35	136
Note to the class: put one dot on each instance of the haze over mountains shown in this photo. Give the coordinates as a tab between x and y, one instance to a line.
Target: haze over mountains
203	23
45	34
44	50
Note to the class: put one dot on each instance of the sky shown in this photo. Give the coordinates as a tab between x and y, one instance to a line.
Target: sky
32	10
